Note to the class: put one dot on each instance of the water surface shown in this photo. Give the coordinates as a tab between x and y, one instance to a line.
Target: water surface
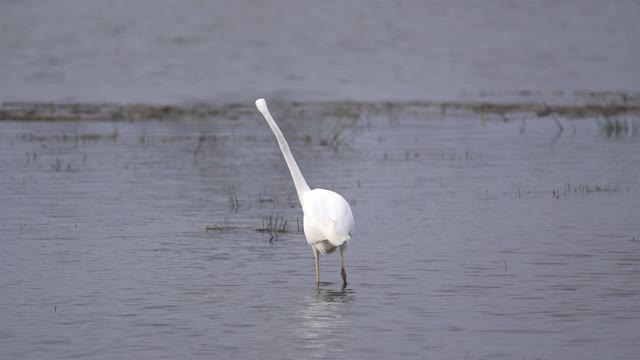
474	239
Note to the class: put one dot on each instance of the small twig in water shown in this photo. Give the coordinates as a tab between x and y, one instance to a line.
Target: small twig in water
200	141
523	125
555	118
233	198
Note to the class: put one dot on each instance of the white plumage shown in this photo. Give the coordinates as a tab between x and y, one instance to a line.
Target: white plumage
328	221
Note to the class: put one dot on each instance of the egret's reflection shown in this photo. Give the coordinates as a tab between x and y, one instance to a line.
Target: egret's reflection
323	316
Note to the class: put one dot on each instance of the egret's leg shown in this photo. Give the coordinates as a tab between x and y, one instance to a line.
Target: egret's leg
315	253
344	273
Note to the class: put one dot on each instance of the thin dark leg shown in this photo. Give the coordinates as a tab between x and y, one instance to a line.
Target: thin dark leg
343	273
315	253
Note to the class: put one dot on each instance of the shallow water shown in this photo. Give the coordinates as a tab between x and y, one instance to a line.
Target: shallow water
474	239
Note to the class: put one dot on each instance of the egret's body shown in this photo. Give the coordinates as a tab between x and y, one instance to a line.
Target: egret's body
328	221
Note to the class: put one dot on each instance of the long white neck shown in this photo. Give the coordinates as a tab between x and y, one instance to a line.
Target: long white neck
298	179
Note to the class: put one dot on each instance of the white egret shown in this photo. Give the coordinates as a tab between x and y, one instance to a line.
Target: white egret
328	221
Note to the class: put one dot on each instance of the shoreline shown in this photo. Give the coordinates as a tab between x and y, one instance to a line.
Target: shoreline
610	104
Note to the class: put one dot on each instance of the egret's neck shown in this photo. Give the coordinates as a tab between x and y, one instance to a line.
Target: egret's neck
298	179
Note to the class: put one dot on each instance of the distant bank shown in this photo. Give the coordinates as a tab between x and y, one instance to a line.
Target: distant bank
576	105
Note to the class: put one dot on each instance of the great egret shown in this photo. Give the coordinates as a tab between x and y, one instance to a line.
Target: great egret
328	221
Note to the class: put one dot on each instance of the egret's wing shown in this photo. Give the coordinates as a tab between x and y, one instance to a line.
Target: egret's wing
340	214
331	216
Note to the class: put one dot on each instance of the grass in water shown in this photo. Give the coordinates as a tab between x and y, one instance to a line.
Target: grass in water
587	189
273	224
614	127
223	226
